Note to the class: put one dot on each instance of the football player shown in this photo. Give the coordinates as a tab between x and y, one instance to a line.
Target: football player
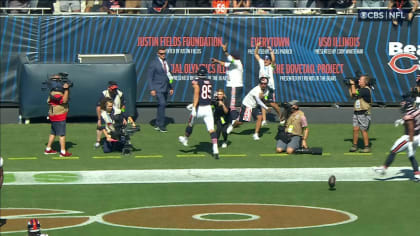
202	109
409	141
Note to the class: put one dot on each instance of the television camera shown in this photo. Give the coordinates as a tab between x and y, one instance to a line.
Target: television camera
123	133
346	80
55	82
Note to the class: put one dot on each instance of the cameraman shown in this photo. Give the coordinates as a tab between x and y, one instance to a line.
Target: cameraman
117	97
221	115
110	126
295	131
415	92
362	111
58	109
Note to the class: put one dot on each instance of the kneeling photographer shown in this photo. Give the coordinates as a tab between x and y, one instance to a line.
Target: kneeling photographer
116	131
294	134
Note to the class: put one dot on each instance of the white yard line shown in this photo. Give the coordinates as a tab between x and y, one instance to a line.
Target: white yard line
215	175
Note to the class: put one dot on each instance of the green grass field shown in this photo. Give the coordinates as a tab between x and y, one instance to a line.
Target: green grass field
382	207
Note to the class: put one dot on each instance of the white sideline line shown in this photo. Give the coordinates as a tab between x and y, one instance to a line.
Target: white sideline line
216	175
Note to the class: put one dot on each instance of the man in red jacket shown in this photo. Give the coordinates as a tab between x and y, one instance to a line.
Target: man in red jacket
58	102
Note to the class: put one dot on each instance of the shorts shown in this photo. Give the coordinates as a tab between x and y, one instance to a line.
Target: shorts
58	128
65	5
234	97
247	113
362	121
295	142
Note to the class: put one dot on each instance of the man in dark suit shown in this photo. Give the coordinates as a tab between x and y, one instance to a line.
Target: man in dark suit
160	80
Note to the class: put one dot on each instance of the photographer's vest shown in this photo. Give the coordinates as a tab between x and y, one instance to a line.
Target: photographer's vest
109	122
117	101
293	124
361	105
57	111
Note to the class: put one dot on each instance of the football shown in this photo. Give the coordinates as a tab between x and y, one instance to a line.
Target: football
331	182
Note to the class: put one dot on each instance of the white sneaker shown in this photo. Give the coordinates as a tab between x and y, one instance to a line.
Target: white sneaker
97	144
417	176
255	137
229	129
224	145
380	170
183	140
264	123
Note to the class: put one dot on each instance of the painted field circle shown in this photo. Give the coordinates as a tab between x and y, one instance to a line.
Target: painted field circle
226	217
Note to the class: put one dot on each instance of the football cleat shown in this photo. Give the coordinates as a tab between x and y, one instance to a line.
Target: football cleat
229	129
380	170
183	140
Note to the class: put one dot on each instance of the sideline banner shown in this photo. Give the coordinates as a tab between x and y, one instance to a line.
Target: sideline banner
313	54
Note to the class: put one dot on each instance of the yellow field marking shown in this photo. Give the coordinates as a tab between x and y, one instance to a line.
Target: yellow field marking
107	157
357	154
326	154
232	155
65	158
22	158
274	155
190	155
149	156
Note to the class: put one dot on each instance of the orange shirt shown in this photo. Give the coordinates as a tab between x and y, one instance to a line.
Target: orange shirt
220	6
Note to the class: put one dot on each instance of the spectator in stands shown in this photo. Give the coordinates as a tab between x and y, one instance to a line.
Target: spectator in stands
95	6
132	4
400	4
46	4
262	4
200	4
289	4
370	3
305	7
33	4
112	4
240	4
18	4
220	6
161	6
70	6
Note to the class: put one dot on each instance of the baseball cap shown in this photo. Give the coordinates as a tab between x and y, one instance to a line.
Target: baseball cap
112	85
235	54
263	80
293	102
267	57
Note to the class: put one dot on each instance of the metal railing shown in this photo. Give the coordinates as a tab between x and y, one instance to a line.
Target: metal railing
202	11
